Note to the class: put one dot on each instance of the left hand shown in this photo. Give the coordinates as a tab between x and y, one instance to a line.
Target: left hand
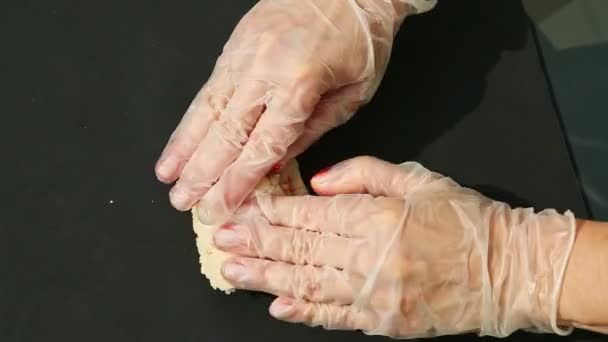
291	71
400	251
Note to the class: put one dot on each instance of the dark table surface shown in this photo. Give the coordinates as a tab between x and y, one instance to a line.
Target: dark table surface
91	249
573	37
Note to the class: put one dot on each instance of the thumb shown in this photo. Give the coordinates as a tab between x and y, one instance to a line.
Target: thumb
372	176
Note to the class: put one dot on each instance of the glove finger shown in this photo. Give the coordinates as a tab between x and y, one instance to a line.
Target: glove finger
259	239
329	316
204	109
277	128
220	146
372	176
351	215
317	284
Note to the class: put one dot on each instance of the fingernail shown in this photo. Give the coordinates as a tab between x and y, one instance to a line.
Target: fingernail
234	271
319	175
281	307
276	168
330	174
166	167
224	237
180	199
214	213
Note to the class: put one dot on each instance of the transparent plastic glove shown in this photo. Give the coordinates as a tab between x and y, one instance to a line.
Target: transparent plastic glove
417	255
291	70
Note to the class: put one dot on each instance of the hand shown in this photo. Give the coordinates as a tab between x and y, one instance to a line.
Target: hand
403	252
291	71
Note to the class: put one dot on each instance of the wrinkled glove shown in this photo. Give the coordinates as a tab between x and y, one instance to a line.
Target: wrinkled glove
291	70
403	252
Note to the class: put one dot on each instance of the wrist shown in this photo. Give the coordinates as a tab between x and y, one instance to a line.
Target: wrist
584	299
527	257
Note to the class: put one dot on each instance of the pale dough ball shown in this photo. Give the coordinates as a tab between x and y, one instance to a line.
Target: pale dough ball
287	182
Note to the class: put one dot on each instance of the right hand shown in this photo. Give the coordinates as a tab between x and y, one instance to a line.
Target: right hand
400	251
291	71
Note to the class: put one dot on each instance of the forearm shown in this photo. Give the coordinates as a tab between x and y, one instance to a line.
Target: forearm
584	295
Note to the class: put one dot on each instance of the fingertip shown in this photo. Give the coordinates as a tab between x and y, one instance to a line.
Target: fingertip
166	169
234	271
319	176
226	238
320	188
165	179
333	180
282	308
180	198
212	212
319	181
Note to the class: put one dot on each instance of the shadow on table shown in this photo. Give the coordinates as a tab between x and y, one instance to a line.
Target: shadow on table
578	82
437	75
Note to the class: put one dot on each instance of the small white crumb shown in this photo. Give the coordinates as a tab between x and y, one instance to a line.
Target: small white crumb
152	201
111	201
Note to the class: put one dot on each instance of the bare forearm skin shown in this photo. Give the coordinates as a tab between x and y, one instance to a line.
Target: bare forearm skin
584	295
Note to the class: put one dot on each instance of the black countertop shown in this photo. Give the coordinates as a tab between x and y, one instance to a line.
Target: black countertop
91	249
